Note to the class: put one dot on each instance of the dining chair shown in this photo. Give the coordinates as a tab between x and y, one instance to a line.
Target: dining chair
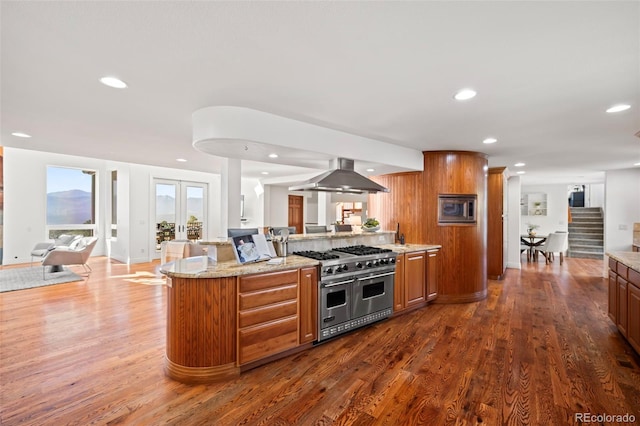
236	232
315	229
278	229
556	242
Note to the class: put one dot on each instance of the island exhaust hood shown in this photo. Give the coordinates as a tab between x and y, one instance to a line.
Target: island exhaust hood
342	179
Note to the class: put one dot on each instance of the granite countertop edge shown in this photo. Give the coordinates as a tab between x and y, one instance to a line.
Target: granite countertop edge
195	267
629	258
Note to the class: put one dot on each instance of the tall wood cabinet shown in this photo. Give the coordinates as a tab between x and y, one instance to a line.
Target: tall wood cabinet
496	205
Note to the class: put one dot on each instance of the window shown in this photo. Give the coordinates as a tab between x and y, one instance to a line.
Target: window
71	201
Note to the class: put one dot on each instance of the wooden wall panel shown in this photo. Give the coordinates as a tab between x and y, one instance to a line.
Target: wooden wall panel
403	205
462	273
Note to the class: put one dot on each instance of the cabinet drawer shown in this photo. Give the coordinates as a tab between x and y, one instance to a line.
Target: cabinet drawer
267	313
613	264
622	270
634	277
267	339
264	281
268	296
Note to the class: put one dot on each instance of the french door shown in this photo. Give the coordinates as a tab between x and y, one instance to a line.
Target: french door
180	210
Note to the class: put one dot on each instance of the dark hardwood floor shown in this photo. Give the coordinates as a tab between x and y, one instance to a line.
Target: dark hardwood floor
539	349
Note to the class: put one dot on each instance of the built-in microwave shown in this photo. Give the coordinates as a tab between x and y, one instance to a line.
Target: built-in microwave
457	208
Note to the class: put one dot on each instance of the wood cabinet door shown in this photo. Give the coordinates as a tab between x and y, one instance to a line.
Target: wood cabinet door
432	275
622	306
296	212
633	315
613	297
308	304
398	285
414	278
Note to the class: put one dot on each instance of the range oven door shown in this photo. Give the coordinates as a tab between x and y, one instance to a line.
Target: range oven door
373	293
335	302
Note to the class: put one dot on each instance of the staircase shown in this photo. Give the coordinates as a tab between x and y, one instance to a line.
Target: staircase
586	233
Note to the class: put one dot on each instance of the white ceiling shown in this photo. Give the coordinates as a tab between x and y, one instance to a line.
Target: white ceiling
544	71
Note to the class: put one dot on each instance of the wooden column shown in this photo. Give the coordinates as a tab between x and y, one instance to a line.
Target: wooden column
201	329
462	273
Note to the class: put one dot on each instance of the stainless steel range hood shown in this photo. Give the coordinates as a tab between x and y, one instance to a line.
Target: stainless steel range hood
342	179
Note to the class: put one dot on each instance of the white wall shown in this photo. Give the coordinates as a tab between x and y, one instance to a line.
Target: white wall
557	209
513	222
25	203
278	205
595	195
622	208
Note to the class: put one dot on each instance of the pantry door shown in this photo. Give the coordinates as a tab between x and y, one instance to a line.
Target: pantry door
180	211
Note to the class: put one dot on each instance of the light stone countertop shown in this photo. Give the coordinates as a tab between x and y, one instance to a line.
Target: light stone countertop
205	267
227	266
629	258
408	248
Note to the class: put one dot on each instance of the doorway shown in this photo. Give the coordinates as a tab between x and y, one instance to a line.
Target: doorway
296	212
180	211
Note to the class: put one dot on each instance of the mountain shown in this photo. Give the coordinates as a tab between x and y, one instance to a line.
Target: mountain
69	207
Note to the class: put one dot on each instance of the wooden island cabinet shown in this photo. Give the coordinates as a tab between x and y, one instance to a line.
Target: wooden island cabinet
624	295
222	317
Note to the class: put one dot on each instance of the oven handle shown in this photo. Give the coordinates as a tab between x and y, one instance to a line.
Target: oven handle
376	276
338	283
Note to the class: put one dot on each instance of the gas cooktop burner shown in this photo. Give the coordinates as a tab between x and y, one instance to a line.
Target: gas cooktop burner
362	250
317	255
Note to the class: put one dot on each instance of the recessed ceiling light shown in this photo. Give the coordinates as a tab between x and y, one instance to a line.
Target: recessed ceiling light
265	173
464	94
490	140
21	135
182	160
519	165
619	108
113	82
520	172
273	155
371	170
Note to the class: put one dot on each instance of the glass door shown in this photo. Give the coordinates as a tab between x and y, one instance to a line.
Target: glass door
180	210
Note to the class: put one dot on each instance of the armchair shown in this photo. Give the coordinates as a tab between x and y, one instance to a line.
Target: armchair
75	254
64	240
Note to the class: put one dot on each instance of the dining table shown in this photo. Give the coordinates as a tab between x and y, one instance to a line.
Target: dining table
532	241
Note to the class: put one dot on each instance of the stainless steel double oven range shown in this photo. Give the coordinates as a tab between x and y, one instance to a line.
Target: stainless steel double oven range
355	287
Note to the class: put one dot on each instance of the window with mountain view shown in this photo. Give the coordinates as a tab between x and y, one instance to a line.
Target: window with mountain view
70	201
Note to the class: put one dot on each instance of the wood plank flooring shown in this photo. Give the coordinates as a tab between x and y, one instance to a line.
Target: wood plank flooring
539	349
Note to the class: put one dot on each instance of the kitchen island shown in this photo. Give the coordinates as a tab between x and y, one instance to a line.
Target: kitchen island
224	318
624	295
221	315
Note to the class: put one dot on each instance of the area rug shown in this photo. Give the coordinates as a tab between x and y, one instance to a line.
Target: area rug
22	278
